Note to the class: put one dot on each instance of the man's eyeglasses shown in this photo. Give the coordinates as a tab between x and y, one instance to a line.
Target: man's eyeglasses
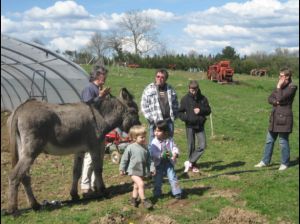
160	77
193	88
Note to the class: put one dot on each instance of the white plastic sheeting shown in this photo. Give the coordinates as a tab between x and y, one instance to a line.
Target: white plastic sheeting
29	70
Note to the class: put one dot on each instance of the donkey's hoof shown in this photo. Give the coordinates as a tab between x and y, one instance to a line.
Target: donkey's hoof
75	197
36	206
12	211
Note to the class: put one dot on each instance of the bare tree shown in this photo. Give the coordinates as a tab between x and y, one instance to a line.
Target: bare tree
139	31
97	45
114	42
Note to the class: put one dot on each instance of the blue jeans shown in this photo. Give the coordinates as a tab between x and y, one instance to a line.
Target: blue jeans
165	168
284	146
151	131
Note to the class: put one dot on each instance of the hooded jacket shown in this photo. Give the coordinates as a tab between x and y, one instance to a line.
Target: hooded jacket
186	110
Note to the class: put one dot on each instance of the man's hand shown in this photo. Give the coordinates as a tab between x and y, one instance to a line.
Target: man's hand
122	172
196	110
103	92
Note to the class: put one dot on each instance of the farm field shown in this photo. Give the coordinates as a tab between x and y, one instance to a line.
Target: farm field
228	188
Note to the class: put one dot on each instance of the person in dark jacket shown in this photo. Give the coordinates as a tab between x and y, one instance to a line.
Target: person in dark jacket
281	119
194	108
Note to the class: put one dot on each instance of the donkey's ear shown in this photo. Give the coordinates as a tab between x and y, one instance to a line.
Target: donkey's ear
125	95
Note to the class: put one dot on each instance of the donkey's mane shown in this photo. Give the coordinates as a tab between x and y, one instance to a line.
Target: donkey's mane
109	104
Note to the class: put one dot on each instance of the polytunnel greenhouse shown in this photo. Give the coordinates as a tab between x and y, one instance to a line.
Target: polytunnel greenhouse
29	70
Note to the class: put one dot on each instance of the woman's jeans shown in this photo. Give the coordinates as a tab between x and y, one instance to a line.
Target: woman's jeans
284	146
165	168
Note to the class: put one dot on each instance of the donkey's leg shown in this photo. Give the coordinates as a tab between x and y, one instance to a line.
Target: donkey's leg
97	159
77	169
17	175
26	181
102	153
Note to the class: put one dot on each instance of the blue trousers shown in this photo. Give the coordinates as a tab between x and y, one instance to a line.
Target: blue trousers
284	146
165	168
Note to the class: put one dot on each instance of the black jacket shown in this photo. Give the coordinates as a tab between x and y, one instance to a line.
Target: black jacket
281	118
186	110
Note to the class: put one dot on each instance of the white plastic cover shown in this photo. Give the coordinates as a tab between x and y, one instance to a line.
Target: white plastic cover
29	70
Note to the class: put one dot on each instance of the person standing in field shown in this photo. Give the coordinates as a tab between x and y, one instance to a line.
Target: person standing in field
194	108
94	92
159	102
281	119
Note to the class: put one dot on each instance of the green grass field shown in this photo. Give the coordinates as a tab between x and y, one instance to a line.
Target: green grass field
227	190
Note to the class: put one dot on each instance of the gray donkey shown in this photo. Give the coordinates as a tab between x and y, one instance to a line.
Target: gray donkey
38	127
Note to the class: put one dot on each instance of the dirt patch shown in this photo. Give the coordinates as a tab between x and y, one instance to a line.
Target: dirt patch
232	177
158	219
230	215
231	194
110	219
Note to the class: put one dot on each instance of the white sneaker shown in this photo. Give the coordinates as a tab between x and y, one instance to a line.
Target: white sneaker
187	166
260	164
282	167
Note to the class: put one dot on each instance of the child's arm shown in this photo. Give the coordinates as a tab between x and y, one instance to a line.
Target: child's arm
125	161
174	149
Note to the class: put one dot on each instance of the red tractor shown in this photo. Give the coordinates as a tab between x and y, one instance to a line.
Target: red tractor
220	72
115	144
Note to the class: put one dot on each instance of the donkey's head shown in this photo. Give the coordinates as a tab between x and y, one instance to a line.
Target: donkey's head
131	116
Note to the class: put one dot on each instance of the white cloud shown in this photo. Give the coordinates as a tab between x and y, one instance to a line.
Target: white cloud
159	15
252	25
246	26
7	25
215	31
91	24
60	9
68	43
254	8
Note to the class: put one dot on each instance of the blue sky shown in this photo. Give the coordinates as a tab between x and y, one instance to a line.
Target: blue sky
205	26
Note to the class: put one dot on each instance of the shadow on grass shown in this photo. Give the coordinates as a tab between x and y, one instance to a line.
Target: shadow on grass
202	165
50	206
294	162
230	165
185	192
226	173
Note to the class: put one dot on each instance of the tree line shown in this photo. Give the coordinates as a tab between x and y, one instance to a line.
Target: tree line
197	62
136	31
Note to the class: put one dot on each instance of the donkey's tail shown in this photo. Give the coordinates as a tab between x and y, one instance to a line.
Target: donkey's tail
12	123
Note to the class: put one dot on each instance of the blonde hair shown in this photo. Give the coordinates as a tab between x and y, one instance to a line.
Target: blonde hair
137	130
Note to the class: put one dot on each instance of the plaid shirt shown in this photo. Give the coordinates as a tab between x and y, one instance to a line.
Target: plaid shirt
150	104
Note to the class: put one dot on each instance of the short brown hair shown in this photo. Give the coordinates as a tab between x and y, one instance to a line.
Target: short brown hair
286	72
137	130
163	71
193	84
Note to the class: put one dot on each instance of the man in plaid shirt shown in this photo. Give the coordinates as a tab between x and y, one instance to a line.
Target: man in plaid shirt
159	102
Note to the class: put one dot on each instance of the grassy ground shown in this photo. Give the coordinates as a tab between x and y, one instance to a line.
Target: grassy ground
227	190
